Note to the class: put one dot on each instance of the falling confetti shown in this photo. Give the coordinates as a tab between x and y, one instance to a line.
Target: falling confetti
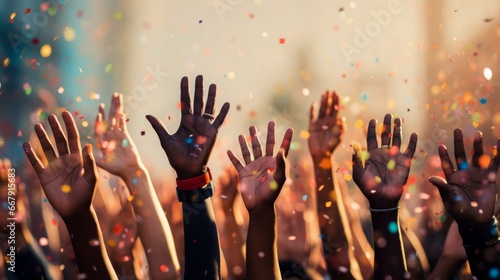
488	74
65	188
282	41
46	50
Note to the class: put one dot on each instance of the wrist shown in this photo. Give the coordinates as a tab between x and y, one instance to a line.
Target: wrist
76	220
262	211
479	236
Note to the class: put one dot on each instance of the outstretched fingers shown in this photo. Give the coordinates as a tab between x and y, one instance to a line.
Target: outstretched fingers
221	116
287	141
61	143
256	146
496	159
72	131
357	162
371	137
198	95
477	148
396	135
386	131
412	145
185	98
235	161
35	162
446	163
209	107
47	147
244	149
270	141
460	156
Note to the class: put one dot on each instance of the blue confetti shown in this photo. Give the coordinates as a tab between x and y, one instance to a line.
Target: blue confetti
124	143
304	197
483	100
463	165
135	181
494	273
393	227
189	140
364	96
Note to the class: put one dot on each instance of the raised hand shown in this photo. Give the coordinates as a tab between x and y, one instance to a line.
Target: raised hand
188	149
119	152
385	169
262	178
69	178
325	130
468	193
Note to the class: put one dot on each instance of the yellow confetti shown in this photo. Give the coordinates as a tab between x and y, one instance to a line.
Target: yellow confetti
347	177
69	34
328	204
359	123
46	50
273	185
231	75
391	164
85	123
65	188
325	163
6	62
12	16
118	15
305	134
111	243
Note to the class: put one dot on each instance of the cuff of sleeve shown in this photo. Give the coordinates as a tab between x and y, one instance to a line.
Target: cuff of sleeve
194	183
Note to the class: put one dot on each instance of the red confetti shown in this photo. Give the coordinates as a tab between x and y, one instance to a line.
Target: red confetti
282	40
117	229
35	41
54	222
163	268
27	10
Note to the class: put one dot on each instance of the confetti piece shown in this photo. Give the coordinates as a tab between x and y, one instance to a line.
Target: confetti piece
488	74
305	134
200	21
304	197
65	188
474	204
393	227
231	75
273	185
391	164
27	10
108	68
85	123
60	90
6	62
124	143
46	50
261	254
143	133
69	34
163	268
292	237
306	92
282	41
328	204
43	241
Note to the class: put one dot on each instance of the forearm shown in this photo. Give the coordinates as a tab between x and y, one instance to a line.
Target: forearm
200	239
331	219
389	253
481	243
233	247
262	252
87	242
153	227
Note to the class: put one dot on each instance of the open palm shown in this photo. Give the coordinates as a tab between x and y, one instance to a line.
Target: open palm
262	178
189	149
325	131
386	170
119	152
69	179
469	192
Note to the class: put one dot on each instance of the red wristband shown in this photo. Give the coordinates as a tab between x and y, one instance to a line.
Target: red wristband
194	183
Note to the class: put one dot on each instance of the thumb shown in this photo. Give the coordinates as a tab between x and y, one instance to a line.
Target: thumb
89	168
357	163
443	187
279	173
159	128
